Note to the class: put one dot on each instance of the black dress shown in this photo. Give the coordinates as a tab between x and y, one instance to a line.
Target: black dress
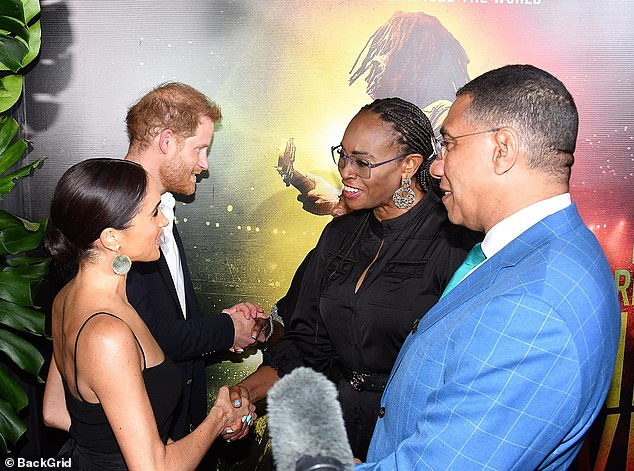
92	445
345	333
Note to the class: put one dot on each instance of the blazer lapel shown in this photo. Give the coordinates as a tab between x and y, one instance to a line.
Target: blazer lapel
191	301
167	279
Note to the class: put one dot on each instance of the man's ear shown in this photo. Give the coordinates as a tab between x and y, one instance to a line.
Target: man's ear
410	164
166	138
109	239
506	152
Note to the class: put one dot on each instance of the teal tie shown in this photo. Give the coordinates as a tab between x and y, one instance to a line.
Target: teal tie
474	258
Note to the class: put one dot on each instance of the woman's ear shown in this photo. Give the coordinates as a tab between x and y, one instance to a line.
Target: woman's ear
410	164
109	239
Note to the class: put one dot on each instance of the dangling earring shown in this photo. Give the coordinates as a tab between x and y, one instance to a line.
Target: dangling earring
404	196
121	264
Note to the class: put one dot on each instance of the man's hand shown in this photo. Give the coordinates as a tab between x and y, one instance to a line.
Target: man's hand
248	322
248	309
321	199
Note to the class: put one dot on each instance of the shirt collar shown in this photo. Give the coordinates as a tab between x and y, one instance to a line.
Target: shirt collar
511	227
168	200
167	208
398	223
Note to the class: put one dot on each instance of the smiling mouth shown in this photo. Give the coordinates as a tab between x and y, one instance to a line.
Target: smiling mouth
350	192
445	193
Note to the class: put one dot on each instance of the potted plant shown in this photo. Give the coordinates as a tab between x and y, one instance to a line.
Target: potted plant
20	37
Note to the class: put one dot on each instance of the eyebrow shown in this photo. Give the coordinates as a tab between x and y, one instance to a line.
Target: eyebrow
361	152
358	152
444	132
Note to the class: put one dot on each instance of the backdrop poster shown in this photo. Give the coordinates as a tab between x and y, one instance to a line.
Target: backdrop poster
302	70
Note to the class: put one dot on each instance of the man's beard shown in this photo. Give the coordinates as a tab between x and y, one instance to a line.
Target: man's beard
176	178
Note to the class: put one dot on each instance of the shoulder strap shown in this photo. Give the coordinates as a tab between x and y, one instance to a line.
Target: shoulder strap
77	338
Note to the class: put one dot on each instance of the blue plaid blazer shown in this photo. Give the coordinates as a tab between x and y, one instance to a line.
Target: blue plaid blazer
510	369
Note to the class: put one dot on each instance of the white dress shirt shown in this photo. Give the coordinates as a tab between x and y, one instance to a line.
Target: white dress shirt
170	249
500	235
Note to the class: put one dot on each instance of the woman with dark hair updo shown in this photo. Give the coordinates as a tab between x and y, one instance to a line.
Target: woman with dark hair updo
374	271
109	383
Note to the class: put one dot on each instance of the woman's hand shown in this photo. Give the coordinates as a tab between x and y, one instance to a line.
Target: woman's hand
238	413
239	395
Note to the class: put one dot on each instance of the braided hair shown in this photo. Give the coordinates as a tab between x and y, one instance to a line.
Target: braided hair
414	133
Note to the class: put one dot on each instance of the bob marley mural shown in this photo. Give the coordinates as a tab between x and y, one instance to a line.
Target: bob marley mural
411	45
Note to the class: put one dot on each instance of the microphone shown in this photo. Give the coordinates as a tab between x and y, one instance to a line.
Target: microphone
306	424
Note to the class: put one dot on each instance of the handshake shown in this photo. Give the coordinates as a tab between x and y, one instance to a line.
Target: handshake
251	324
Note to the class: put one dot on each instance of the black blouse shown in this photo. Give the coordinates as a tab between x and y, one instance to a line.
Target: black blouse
334	324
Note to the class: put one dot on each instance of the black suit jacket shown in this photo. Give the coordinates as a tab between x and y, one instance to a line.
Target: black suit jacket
152	293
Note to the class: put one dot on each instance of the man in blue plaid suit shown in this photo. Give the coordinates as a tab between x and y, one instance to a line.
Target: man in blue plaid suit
512	366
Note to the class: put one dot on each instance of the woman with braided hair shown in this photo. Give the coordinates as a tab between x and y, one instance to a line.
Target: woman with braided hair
374	271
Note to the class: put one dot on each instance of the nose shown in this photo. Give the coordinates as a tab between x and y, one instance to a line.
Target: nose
437	168
346	171
163	222
202	161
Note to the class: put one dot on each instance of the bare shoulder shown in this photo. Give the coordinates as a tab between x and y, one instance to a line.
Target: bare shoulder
106	340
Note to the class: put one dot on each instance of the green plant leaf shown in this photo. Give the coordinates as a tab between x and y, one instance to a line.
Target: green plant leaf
19	235
15	27
12	155
10	90
3	443
8	181
15	289
15	240
33	272
31	8
12	391
8	219
32	226
8	131
23	354
31	261
11	427
14	9
22	318
12	52
35	41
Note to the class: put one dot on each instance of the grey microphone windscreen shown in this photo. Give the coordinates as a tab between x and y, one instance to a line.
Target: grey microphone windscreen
305	420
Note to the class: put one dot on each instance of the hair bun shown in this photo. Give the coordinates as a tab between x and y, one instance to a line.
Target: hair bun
59	247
